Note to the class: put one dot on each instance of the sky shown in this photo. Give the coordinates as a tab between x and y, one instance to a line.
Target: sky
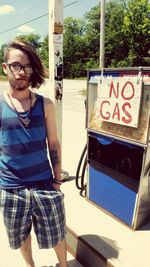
16	14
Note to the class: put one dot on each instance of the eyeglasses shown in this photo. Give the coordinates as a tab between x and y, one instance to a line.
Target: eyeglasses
17	67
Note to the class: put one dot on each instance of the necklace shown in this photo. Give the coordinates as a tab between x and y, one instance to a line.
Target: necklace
23	116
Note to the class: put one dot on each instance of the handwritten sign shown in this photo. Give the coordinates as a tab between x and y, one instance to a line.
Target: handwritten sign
118	100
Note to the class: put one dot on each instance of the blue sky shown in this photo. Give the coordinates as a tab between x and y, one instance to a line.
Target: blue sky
16	13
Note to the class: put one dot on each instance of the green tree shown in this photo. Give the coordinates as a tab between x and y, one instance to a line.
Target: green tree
137	31
92	37
127	31
2	57
33	39
116	45
44	52
74	47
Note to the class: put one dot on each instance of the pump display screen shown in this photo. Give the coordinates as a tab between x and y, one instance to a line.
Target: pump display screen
119	103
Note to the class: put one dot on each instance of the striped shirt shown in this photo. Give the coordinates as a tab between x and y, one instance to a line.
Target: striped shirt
23	151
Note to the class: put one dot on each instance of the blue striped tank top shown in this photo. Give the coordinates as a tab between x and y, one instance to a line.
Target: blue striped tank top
23	151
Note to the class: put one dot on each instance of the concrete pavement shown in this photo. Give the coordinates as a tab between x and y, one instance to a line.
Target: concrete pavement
116	243
43	257
119	245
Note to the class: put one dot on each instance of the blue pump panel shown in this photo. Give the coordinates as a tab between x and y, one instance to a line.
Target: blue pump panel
111	195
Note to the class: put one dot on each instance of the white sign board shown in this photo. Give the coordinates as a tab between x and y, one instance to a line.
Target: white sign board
118	100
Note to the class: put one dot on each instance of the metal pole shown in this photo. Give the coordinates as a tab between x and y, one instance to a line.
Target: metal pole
102	34
56	63
56	59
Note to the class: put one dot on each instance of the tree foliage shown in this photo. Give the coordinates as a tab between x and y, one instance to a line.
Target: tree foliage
74	47
1	57
136	28
127	34
116	46
33	39
44	52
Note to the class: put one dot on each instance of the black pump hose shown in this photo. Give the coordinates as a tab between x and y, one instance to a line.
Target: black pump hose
82	163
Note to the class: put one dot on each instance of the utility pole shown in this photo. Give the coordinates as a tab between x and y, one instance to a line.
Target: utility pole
102	34
56	63
56	59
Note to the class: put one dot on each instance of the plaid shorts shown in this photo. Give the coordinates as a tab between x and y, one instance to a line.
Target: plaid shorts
41	206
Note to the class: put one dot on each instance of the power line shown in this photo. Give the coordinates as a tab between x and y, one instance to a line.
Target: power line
12	28
72	3
77	1
44	15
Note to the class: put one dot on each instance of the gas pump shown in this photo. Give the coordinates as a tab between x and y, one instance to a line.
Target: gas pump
118	143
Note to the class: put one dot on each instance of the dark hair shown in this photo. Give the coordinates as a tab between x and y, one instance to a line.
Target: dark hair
38	76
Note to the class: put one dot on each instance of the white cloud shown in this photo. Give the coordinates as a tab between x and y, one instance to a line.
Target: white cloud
25	28
6	9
